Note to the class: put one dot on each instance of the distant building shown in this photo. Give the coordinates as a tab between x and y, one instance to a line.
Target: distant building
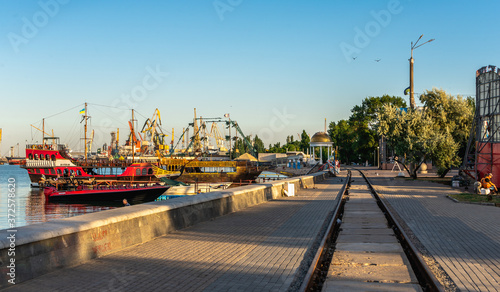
278	159
298	156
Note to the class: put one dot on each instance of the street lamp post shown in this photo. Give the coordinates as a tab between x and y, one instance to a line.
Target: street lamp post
414	46
378	157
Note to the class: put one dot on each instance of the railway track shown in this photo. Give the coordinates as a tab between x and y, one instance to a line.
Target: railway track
365	249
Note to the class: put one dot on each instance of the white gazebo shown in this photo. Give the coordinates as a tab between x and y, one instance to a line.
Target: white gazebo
320	139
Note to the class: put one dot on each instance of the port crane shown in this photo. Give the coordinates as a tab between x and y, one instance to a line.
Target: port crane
195	139
244	138
219	140
153	133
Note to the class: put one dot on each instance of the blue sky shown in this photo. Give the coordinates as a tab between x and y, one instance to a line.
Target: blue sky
278	68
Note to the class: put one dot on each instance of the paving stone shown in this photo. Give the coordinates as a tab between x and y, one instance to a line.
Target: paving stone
464	239
241	251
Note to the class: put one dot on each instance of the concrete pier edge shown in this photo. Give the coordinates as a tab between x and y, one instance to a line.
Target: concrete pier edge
41	248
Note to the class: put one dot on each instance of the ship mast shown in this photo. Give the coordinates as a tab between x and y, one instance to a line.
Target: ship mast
85	117
43	131
230	140
133	134
196	137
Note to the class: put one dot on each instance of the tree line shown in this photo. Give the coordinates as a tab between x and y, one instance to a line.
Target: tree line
291	144
436	132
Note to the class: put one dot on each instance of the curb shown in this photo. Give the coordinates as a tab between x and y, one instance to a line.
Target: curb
473	203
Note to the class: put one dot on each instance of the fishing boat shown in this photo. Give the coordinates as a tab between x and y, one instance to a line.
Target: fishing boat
133	194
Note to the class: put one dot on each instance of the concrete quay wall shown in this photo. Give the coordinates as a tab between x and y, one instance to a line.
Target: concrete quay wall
34	250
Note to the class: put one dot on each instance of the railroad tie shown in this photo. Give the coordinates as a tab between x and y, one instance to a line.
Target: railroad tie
368	256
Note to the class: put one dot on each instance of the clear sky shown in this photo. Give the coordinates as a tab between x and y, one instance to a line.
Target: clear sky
277	67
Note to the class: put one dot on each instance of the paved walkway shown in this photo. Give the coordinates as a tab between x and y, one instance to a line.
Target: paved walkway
263	248
463	238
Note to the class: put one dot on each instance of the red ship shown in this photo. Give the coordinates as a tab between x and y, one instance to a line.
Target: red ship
50	161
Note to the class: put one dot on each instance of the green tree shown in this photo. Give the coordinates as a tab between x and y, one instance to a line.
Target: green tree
304	141
453	115
276	148
258	144
435	132
343	136
239	147
357	137
364	121
371	106
409	134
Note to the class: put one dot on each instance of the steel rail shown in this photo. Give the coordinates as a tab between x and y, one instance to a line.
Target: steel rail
426	278
313	275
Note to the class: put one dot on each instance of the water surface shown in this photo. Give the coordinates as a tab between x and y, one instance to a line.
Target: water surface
28	206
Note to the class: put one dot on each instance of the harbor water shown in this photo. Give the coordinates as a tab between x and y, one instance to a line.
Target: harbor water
20	205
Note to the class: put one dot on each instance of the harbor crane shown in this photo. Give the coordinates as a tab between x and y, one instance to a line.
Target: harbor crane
195	139
153	133
244	138
219	140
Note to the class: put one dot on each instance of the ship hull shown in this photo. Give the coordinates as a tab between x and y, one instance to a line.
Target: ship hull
35	178
133	195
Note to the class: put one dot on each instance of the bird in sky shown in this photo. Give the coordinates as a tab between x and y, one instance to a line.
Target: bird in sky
354	58
378	60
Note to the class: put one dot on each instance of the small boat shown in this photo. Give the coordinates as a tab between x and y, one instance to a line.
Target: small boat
133	194
183	189
193	189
